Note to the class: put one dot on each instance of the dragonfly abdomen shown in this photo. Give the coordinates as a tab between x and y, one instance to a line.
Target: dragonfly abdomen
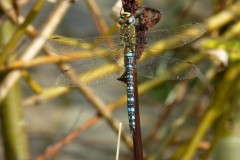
129	62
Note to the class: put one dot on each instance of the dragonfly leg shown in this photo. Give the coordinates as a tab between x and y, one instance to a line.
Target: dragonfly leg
123	78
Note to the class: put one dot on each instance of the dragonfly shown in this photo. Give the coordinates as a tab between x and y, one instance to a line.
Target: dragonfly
112	57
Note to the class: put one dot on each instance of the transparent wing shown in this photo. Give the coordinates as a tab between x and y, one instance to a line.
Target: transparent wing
171	68
160	40
104	61
165	39
90	73
96	46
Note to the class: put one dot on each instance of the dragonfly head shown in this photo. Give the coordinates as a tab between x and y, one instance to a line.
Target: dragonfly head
126	19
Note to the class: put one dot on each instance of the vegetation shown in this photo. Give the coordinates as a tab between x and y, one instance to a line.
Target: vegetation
193	121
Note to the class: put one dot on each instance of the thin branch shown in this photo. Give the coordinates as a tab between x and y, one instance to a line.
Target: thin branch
48	59
97	16
168	107
119	141
233	31
229	14
33	84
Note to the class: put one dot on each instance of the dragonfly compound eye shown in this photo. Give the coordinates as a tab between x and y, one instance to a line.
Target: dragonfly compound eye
121	21
131	20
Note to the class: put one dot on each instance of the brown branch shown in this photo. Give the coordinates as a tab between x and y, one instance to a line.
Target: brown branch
49	59
97	16
54	149
168	107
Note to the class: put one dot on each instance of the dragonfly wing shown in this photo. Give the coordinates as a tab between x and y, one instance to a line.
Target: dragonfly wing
171	69
168	67
102	70
165	39
96	46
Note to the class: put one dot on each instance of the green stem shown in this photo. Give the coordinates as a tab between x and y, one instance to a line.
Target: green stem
13	126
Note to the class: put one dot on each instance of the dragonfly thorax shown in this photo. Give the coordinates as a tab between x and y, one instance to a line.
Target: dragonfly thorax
127	29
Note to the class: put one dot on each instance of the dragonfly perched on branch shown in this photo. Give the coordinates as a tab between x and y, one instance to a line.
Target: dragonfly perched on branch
114	56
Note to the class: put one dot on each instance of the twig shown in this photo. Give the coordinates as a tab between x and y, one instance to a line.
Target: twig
176	98
118	141
53	150
49	59
223	17
97	17
187	10
173	127
233	31
33	84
